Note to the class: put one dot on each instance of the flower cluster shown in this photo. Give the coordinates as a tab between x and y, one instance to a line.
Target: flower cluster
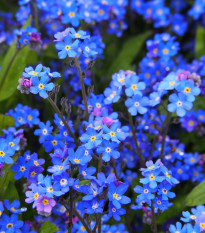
157	182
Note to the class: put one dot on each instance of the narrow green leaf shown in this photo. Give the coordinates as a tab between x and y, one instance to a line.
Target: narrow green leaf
128	53
12	67
11	192
5	122
200	42
48	227
8	177
196	196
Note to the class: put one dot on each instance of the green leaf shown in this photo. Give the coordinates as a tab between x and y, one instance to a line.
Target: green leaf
12	67
11	192
48	227
5	122
128	53
200	42
177	207
8	177
85	182
196	196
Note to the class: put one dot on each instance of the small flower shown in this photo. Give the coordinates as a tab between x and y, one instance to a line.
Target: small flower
67	47
45	204
179	103
41	86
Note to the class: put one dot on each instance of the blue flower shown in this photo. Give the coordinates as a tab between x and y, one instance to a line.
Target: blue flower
109	150
152	178
41	86
133	86
6	153
94	206
179	103
170	82
30	72
12	223
78	157
146	193
91	138
78	35
177	228
44	131
22	168
116	212
116	196
137	104
68	48
113	133
87	172
89	48
91	191
59	167
188	88
14	206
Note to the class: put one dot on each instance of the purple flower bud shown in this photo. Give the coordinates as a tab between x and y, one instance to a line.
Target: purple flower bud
183	75
26	82
35	37
97	112
107	121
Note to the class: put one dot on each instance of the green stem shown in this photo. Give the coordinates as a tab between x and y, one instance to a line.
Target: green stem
135	140
82	87
55	107
154	222
82	220
166	123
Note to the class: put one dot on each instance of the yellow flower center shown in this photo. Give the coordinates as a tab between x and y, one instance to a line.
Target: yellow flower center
11	143
36	163
54	142
67	47
82	228
50	189
72	14
101	12
76	160
34	73
134	87
115	195
33	174
179	171
9	225
36	196
29	117
112	134
77	34
45	201
202	225
191	123
93	138
165	51
22	169
2	153
168	175
152	177
187	90
40	86
151	167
